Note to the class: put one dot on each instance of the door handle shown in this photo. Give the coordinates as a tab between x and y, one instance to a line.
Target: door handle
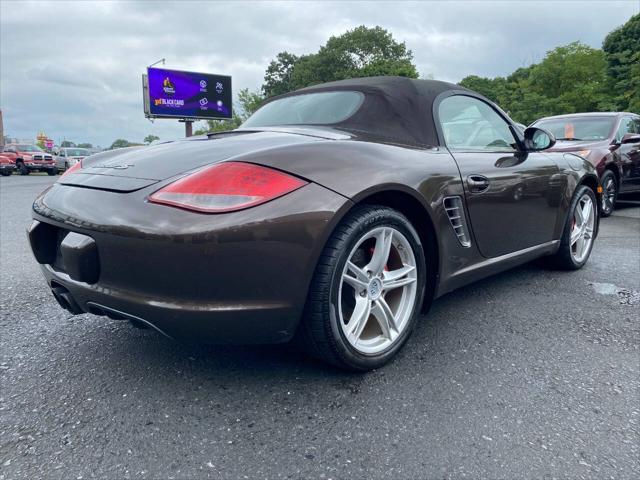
477	183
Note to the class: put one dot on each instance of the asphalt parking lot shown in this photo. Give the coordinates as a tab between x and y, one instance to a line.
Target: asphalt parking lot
532	373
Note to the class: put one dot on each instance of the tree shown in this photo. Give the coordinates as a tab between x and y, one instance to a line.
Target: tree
67	143
622	52
150	138
575	75
84	145
277	78
120	143
571	78
248	101
361	52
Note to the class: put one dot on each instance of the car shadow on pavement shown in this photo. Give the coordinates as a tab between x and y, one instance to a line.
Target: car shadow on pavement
128	348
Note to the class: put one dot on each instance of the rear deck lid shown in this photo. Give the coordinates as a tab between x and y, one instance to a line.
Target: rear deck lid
130	169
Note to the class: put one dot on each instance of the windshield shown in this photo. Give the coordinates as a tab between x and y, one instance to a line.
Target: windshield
28	148
77	152
307	109
578	128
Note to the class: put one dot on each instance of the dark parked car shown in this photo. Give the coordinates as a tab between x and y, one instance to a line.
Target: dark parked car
332	216
30	158
7	166
610	141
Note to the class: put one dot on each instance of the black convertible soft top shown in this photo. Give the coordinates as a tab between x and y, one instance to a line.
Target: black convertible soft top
395	109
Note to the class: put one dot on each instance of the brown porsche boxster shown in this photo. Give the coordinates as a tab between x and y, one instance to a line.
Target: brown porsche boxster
333	216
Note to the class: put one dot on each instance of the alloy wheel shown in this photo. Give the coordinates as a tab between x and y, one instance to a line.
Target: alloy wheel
609	195
582	228
378	289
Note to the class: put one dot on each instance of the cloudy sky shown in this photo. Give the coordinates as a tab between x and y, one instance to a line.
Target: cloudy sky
73	69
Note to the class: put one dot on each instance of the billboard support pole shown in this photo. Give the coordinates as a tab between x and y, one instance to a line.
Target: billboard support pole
188	126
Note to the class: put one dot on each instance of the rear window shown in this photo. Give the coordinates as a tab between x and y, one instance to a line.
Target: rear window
77	152
578	128
28	148
322	108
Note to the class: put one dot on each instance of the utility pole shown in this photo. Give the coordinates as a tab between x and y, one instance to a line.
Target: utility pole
1	131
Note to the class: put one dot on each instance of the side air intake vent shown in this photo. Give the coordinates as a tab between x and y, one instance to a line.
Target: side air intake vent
455	212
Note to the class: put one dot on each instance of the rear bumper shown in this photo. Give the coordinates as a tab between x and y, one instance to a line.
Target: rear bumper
233	278
247	321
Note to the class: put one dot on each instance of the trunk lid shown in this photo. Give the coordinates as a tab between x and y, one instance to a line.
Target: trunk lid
131	169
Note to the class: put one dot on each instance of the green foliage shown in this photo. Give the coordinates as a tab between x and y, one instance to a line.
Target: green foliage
249	102
570	79
622	52
84	145
150	138
277	78
67	143
361	52
120	143
634	84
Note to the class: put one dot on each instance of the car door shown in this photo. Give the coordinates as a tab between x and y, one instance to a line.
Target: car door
61	159
512	197
629	155
10	152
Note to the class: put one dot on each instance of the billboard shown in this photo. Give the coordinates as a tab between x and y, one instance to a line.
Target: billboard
188	95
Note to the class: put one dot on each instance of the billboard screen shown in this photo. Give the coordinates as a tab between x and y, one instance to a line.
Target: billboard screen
174	93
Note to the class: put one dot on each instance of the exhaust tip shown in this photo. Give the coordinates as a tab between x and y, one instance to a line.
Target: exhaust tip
65	299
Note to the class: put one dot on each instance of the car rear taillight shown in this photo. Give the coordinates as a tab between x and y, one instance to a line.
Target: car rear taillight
226	187
72	169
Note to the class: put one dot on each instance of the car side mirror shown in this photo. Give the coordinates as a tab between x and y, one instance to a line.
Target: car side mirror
631	138
536	139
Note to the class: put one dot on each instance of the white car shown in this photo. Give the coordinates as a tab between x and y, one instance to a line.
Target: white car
68	156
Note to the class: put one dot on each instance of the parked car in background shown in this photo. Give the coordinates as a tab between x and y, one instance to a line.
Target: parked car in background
67	157
7	166
30	158
610	141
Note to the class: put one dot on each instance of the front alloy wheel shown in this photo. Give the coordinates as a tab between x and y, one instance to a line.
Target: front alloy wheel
579	231
366	291
583	228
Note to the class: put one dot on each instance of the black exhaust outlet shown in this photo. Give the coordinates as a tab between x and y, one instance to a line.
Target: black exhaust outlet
65	299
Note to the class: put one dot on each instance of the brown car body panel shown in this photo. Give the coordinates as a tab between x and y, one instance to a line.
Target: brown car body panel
244	276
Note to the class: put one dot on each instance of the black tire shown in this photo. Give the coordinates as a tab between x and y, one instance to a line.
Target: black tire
563	258
320	334
66	166
5	173
22	168
52	172
609	184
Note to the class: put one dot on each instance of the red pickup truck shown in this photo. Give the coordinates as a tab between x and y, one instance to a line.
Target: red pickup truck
30	158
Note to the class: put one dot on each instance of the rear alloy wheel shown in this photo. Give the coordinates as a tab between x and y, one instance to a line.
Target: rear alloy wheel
609	193
377	294
366	292
579	232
